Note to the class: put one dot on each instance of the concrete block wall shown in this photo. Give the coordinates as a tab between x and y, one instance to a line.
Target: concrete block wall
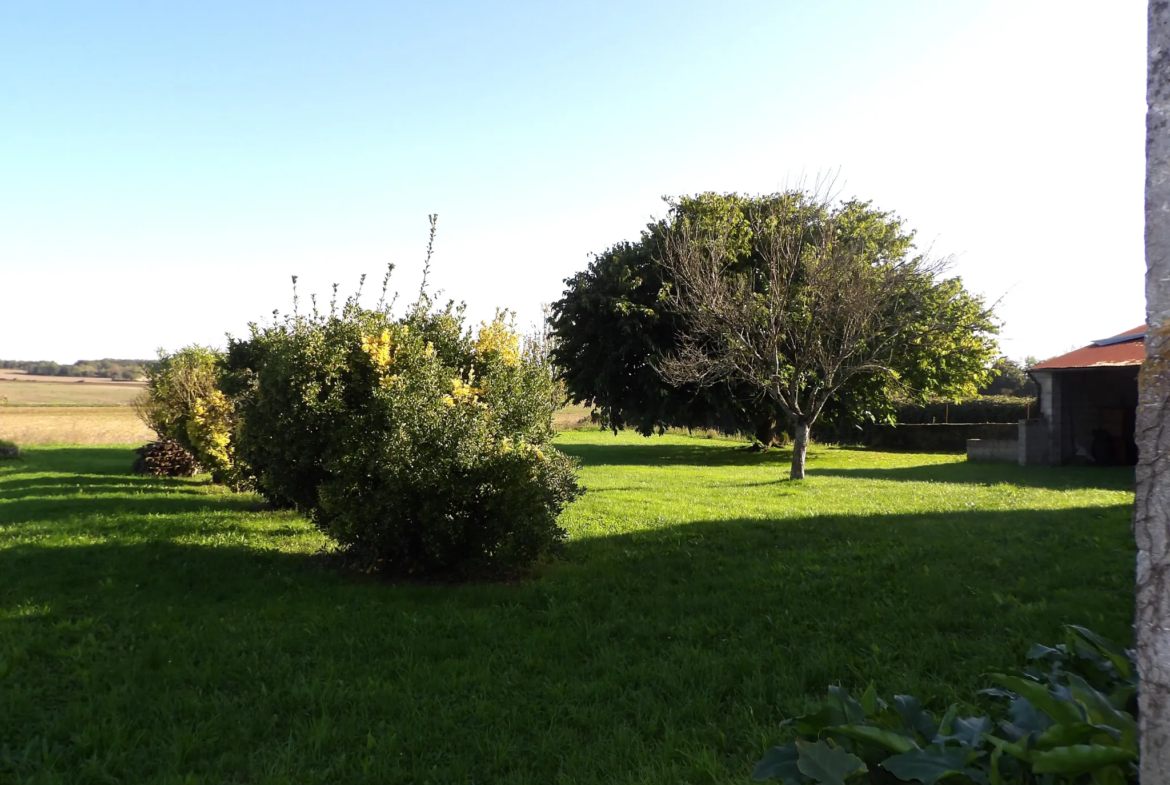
937	437
1032	443
993	450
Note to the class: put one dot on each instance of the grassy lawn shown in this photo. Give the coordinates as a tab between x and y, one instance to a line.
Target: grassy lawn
165	631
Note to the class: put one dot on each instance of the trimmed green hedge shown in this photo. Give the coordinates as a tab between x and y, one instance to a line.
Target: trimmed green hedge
983	409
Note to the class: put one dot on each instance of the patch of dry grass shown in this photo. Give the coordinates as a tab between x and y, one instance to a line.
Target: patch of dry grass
75	393
72	425
571	417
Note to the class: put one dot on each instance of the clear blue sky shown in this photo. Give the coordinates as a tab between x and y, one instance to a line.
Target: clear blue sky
165	167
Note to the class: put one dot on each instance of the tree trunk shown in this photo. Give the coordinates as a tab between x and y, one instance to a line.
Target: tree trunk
799	450
766	432
1150	521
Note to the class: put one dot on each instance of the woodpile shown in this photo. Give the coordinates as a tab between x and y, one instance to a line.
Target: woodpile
165	458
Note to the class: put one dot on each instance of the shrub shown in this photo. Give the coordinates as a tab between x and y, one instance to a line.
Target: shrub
416	445
165	458
983	408
1070	719
183	403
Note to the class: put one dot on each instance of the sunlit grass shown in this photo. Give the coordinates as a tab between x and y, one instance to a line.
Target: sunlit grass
156	630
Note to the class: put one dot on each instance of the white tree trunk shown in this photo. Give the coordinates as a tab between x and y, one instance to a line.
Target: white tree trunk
1151	521
799	451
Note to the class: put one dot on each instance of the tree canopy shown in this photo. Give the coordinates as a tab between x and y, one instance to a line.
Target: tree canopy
1010	378
628	325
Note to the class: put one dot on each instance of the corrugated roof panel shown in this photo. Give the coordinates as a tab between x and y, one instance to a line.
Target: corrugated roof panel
1127	348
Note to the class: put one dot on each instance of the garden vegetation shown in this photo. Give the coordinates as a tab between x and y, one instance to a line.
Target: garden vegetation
742	313
417	444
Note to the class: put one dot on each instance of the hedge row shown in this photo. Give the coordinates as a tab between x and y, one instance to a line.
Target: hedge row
419	445
985	408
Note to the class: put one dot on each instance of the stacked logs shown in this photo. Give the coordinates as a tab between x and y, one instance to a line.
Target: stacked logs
165	458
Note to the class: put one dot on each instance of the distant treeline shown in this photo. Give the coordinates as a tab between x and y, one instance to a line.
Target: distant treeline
101	369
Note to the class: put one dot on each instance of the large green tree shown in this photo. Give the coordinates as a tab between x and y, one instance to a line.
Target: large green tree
612	326
625	324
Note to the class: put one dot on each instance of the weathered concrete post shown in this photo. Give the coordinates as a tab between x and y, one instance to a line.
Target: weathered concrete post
1151	522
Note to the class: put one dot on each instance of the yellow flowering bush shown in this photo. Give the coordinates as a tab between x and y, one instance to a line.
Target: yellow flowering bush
209	429
183	403
462	393
498	337
417	446
380	348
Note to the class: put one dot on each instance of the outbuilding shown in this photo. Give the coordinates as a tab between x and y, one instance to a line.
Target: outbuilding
1088	400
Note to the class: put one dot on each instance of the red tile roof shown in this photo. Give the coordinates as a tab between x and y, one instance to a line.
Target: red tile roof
1114	352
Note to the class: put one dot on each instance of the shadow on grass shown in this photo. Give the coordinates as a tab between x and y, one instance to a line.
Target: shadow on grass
81	506
1052	477
79	460
644	635
71	484
712	453
57	483
922	603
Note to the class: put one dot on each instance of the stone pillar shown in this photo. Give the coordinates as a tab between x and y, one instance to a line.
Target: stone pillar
1045	441
1055	420
1151	519
1032	446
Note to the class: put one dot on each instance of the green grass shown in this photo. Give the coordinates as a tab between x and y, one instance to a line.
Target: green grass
165	631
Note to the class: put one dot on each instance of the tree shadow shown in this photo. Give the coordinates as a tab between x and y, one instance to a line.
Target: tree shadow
81	506
72	484
81	460
809	595
967	473
630	639
702	453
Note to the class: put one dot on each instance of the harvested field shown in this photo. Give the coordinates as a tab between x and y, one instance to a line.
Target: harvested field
17	375
72	425
571	417
68	392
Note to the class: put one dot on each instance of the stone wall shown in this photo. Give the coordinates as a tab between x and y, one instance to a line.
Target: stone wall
938	437
1032	443
993	450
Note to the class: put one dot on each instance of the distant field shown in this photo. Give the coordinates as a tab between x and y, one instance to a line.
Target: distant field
571	417
72	425
67	392
62	418
17	375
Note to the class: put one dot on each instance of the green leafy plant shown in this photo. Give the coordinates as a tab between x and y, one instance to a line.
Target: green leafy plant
623	331
1069	720
981	408
183	403
419	445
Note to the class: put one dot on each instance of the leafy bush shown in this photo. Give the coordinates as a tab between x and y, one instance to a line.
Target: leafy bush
983	408
183	403
165	458
1070	719
1010	378
417	446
